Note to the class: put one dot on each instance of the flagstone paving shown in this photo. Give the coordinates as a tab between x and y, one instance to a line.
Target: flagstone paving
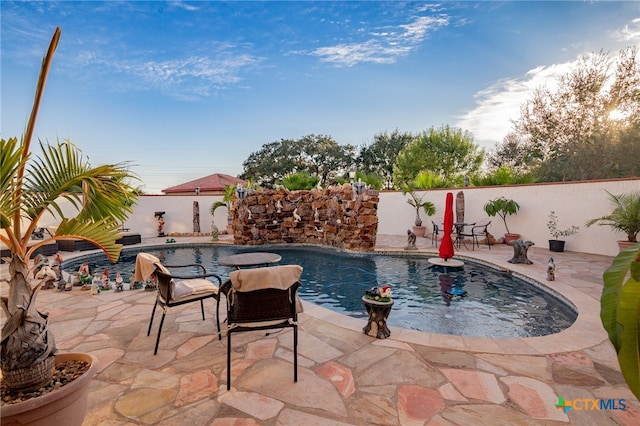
345	377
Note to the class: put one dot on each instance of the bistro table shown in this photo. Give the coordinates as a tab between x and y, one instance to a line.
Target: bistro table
247	260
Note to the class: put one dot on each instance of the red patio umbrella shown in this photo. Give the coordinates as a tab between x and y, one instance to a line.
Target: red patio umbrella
446	245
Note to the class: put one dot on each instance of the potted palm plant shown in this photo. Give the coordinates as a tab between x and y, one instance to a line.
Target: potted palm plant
557	244
416	201
30	187
503	207
625	217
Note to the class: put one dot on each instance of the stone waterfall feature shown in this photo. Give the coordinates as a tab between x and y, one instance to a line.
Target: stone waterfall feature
335	217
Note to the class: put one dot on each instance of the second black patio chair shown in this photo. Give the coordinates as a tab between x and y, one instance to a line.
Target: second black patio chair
263	299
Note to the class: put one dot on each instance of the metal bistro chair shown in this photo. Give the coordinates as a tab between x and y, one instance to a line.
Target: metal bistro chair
435	233
480	230
262	299
174	290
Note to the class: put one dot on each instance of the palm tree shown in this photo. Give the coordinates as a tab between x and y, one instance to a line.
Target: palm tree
31	186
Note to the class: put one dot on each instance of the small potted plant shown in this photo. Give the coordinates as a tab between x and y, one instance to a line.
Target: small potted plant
503	207
625	217
557	244
416	201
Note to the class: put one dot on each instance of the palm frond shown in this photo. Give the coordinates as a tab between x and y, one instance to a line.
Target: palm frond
103	233
62	173
11	160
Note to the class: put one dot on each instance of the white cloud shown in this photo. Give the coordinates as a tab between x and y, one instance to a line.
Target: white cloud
630	32
185	6
385	46
499	104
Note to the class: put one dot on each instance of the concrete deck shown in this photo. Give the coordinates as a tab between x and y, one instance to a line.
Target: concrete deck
346	377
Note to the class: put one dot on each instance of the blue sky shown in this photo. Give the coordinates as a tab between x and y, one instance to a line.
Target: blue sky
186	89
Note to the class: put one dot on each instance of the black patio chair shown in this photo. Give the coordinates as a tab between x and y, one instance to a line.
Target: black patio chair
262	299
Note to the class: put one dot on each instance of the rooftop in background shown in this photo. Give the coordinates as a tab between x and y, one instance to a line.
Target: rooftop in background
214	183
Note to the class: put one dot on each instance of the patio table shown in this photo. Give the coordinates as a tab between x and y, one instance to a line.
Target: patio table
248	260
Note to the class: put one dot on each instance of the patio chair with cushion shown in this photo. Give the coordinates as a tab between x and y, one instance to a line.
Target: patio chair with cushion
174	290
263	299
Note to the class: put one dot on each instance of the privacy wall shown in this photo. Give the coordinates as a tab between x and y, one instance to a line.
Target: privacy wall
573	202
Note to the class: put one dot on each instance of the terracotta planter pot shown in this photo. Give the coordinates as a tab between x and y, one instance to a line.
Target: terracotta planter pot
510	237
419	230
623	244
64	406
556	245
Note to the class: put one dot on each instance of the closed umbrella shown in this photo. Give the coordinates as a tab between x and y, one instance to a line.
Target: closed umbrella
446	244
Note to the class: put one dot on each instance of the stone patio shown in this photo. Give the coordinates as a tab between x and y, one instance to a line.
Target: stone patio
345	377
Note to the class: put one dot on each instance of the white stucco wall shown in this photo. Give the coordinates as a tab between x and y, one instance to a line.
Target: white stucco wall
574	204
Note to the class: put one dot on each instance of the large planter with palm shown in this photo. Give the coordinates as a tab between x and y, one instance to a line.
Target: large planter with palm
625	217
503	207
30	187
416	201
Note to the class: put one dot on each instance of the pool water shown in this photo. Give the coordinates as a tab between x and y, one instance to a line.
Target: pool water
495	304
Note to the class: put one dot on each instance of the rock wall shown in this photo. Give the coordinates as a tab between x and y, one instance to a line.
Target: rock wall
333	217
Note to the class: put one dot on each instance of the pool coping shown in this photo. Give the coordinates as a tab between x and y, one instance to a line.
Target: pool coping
585	332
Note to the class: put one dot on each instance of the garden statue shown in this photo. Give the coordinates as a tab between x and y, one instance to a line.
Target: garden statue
551	270
63	284
520	249
411	240
104	280
95	284
83	277
44	272
158	216
119	282
380	294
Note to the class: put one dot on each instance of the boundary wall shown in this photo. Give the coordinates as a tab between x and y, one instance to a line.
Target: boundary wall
574	203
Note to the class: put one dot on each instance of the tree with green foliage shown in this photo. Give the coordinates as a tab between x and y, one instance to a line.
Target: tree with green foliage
316	155
380	156
300	180
325	158
512	154
448	152
272	162
588	127
503	175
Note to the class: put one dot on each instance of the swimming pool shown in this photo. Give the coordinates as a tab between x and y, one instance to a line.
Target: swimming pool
496	304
